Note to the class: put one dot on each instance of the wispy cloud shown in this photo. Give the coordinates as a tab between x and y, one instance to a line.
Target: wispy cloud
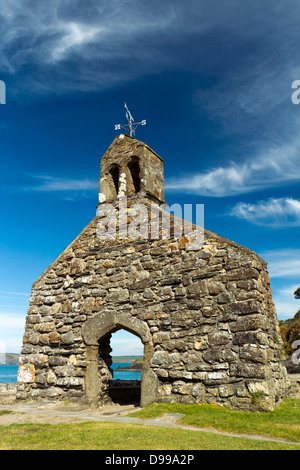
76	35
268	168
126	344
286	304
248	98
9	293
12	330
75	45
81	187
277	213
284	270
283	263
94	45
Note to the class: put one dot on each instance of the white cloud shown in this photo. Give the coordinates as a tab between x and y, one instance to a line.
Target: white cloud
285	308
11	322
250	98
55	184
217	182
75	45
283	263
284	271
269	158
285	303
12	331
283	267
76	35
124	343
9	293
280	212
268	168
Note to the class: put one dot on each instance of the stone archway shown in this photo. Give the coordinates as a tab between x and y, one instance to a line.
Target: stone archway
95	330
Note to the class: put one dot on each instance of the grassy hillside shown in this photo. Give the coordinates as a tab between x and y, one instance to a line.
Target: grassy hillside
10	359
290	332
136	365
13	359
126	358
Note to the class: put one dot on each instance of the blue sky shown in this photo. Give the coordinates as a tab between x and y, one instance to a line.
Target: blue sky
214	82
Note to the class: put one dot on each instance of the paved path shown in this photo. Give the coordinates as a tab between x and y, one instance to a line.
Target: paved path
167	421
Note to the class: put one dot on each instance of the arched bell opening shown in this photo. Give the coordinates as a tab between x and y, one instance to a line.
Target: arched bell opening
134	169
115	173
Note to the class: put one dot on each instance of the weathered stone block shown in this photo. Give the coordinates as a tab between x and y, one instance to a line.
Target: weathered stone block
26	373
248	323
248	370
218	338
54	392
244	308
254	353
40	379
118	295
214	378
39	359
215	355
54	337
161	336
67	338
76	266
198	391
33	319
182	387
51	377
215	288
159	357
45	327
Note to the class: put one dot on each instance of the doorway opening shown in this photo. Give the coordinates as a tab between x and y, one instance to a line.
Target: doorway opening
99	384
127	355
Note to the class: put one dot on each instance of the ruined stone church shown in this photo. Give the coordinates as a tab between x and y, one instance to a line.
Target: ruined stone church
205	315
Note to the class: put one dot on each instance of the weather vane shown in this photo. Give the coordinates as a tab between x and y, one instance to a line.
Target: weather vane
131	124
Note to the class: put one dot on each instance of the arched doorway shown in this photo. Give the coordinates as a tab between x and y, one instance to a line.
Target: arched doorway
97	335
127	353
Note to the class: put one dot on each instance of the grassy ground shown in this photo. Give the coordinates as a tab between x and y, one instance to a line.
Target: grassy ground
283	423
112	436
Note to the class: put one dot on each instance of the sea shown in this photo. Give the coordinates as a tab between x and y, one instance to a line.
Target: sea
125	375
9	374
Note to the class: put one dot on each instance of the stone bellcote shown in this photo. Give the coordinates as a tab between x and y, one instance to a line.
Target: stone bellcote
130	168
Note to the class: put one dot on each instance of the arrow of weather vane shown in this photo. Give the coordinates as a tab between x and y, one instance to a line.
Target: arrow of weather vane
131	126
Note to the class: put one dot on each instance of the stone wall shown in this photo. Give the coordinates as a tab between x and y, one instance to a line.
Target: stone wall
208	319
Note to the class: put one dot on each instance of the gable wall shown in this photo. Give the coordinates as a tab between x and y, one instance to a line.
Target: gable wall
210	314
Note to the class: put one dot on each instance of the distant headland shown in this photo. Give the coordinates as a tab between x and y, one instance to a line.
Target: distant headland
136	366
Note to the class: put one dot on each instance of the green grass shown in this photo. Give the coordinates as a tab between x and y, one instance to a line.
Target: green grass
5	412
282	423
115	436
